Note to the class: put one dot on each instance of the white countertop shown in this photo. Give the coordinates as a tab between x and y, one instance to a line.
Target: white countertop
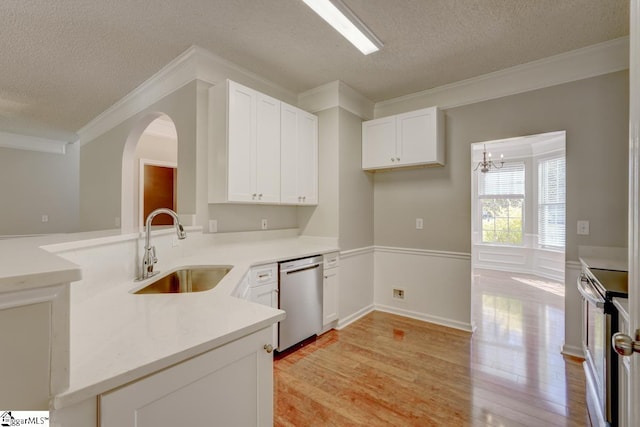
605	258
118	337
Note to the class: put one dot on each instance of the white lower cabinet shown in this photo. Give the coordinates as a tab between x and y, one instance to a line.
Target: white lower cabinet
263	289
228	386
331	285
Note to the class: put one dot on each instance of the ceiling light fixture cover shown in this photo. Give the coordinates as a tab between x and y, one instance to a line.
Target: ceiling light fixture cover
340	17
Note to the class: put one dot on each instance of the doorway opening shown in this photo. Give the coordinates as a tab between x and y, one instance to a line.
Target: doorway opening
157	155
518	248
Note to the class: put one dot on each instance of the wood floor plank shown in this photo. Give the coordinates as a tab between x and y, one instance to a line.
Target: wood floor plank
389	370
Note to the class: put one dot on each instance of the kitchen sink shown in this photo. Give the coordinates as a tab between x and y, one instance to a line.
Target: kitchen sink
189	279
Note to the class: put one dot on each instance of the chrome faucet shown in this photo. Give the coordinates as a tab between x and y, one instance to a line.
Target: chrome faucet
149	258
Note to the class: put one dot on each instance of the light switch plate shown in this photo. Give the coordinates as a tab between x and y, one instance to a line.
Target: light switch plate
583	227
213	226
419	224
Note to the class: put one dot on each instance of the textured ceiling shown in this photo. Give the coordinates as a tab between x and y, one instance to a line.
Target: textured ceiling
63	62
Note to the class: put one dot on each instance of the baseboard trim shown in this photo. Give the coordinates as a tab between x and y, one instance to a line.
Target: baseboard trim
343	323
572	351
450	323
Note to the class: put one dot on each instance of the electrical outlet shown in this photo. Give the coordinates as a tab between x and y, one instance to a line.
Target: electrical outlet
583	228
45	218
213	226
264	224
419	224
398	293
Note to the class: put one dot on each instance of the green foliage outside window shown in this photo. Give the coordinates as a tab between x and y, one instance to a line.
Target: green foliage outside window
502	220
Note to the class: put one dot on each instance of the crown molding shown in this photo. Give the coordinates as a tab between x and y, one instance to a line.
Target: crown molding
33	143
590	61
171	77
336	94
195	63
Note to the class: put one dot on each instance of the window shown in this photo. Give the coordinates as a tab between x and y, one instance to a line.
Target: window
501	196
551	202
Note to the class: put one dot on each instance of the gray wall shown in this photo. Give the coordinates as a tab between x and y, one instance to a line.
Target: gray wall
355	186
322	220
101	170
594	113
345	208
33	184
101	161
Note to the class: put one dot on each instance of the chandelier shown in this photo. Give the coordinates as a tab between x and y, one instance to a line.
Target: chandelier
487	164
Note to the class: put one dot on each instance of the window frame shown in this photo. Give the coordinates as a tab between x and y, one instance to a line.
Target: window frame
522	197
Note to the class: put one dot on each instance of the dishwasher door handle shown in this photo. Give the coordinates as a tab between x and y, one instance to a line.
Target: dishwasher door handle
298	270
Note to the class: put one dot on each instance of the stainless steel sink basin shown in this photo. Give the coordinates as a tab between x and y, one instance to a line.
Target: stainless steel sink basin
190	279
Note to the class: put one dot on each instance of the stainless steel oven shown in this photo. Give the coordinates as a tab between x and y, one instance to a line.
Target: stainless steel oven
600	322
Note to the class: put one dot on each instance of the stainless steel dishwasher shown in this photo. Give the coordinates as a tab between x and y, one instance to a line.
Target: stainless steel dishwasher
301	297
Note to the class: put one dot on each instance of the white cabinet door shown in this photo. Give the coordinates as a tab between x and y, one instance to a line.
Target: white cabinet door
241	130
308	158
229	386
289	155
415	144
379	143
330	295
409	139
299	156
253	146
267	149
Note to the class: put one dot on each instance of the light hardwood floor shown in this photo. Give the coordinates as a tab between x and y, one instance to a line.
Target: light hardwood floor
390	370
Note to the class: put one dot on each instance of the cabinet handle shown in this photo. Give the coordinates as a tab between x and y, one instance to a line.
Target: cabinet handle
393	159
268	348
304	198
253	196
260	196
397	159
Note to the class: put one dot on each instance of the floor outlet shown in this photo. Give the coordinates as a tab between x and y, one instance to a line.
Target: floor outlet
264	224
398	293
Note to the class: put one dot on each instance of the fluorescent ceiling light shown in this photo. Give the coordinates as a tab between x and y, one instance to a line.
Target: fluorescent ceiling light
340	17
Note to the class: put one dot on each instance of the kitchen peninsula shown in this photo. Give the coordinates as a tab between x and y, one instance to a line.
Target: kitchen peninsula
116	338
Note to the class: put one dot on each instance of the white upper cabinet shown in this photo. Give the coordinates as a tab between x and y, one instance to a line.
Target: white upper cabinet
244	158
261	150
299	156
410	139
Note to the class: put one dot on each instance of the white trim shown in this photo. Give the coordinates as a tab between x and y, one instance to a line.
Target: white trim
33	143
573	351
336	94
171	77
343	323
573	265
195	63
590	61
356	252
30	296
424	252
466	327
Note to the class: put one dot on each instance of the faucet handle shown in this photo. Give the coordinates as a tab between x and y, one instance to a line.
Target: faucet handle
154	259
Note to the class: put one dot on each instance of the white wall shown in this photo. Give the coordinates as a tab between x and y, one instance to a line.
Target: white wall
33	184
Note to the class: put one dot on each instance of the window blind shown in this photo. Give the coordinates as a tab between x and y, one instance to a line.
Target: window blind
507	181
551	202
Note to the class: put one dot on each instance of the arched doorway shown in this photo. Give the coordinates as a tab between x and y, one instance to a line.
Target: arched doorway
149	168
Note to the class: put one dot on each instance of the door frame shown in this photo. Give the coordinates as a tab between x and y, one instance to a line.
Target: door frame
634	207
143	163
